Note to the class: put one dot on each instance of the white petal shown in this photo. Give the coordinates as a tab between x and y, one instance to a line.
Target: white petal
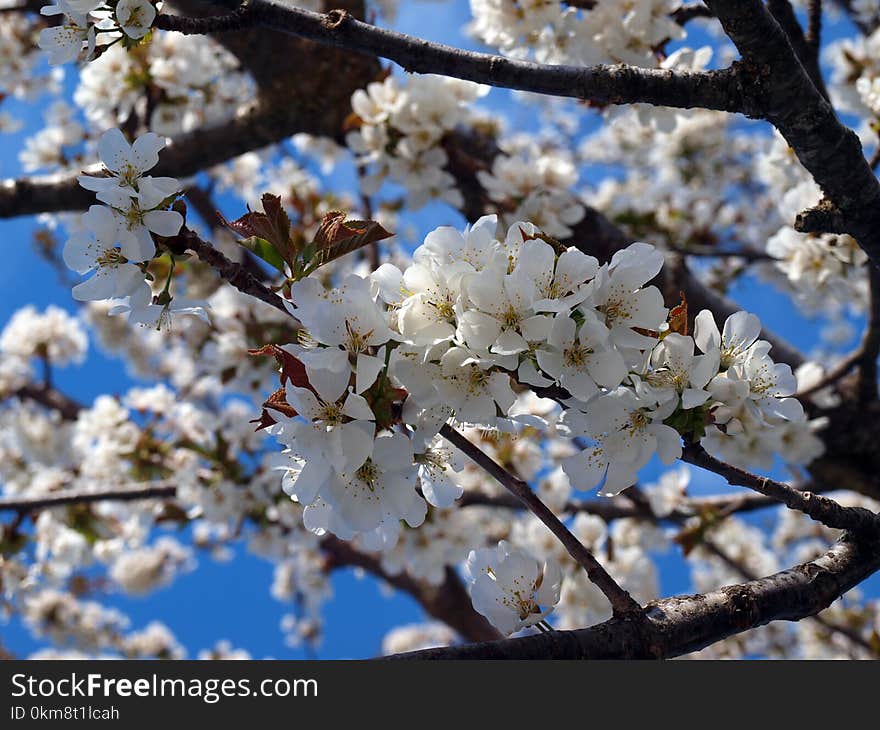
145	150
138	246
439	489
706	333
303	401
390	283
368	369
113	149
163	222
80	252
331	383
356	406
356	442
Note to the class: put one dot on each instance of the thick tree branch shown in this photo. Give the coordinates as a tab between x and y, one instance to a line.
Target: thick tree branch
746	574
782	92
621	602
185	156
607	84
871	342
783	12
813	36
680	625
289	102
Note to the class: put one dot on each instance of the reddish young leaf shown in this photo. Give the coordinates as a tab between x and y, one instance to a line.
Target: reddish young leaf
292	368
273	225
678	316
337	237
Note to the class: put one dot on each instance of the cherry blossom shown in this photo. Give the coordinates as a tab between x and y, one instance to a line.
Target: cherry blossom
511	588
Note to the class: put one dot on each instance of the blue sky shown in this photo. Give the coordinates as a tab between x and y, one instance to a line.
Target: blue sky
232	600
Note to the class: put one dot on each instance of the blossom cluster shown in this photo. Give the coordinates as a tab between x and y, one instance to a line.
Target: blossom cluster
400	134
382	363
511	588
191	81
115	241
505	335
534	182
558	32
83	20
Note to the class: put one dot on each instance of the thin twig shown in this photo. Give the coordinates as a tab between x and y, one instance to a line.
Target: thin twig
822	509
234	273
836	373
622	602
163	490
814	25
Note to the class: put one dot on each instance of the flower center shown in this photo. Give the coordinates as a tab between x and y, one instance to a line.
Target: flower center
111	257
332	413
128	174
368	474
638	420
615	309
510	317
477	379
435	460
357	341
577	356
133	216
445	309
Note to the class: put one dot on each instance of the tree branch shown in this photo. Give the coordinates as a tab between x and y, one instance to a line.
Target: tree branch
622	507
783	12
813	35
738	567
51	398
834	374
783	93
160	490
621	602
606	84
447	602
289	102
234	273
680	625
822	509
871	341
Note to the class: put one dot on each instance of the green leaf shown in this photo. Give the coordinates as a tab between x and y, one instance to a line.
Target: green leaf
261	248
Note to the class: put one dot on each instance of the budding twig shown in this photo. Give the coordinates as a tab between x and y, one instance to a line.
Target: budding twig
234	273
622	602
